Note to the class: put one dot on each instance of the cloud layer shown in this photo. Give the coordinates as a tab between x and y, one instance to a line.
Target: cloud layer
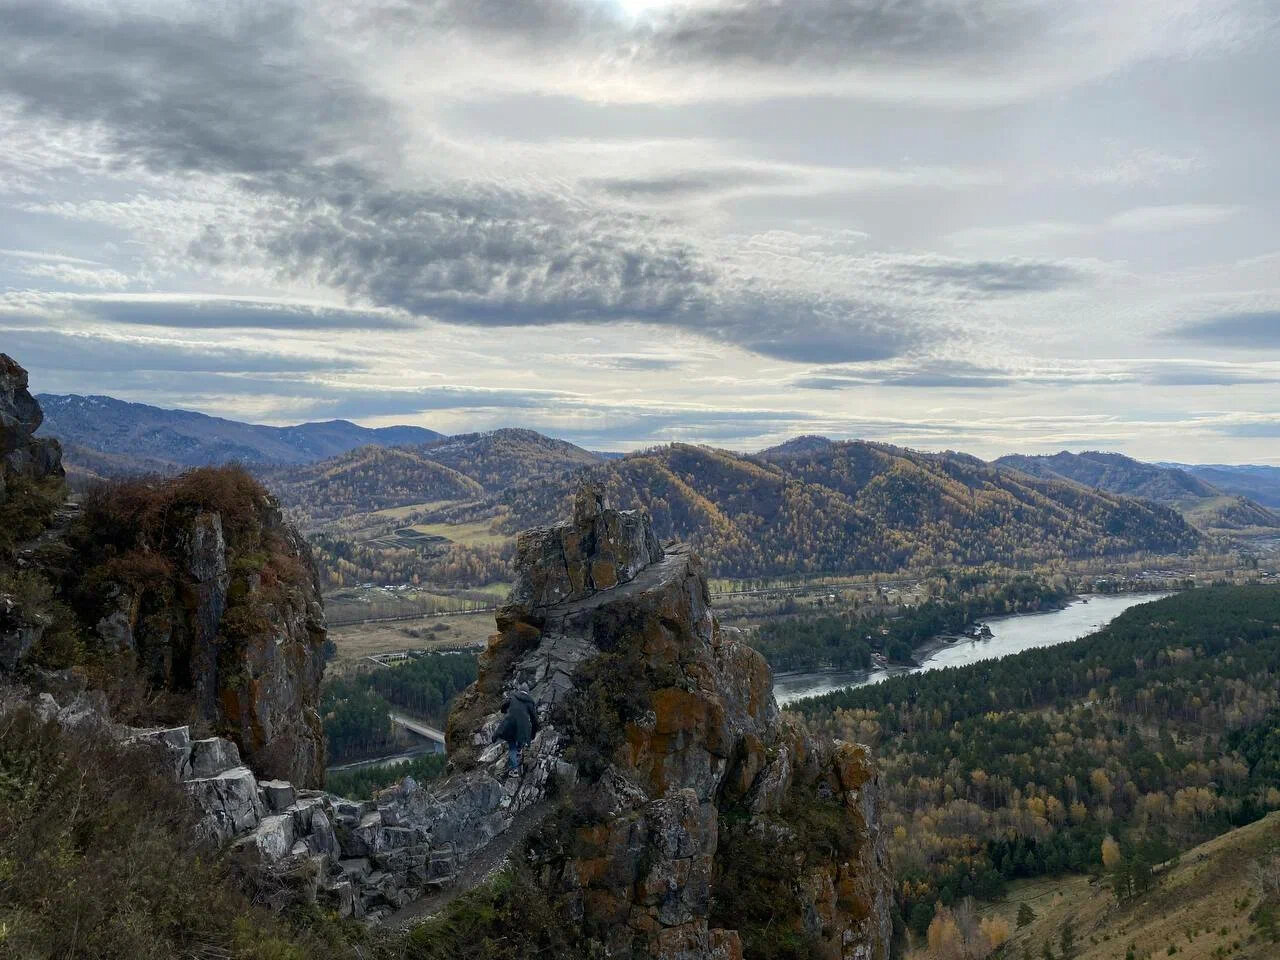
841	212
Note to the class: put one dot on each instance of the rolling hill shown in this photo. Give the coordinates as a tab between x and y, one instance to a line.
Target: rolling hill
467	467
1203	907
367	479
1207	506
851	506
98	430
499	458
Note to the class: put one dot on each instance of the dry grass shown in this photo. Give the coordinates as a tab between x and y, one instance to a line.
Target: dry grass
1201	896
479	533
362	640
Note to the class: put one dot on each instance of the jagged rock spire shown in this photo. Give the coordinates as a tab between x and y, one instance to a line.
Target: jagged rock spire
597	550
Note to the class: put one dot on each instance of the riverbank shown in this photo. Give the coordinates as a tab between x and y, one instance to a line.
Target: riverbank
1012	633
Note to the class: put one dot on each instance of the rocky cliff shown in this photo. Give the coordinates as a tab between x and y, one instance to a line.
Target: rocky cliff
701	820
201	584
665	809
190	595
21	453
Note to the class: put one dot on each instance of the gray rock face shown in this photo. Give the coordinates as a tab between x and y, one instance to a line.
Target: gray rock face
643	864
228	802
173	744
20	630
600	549
205	550
20	417
278	794
211	756
636	865
260	687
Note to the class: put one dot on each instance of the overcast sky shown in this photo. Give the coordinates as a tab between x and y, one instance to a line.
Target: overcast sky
986	225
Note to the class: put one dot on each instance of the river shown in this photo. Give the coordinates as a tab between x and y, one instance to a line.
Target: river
1011	634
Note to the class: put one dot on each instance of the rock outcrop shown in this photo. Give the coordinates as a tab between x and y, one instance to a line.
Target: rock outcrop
662	777
21	453
228	615
196	582
686	770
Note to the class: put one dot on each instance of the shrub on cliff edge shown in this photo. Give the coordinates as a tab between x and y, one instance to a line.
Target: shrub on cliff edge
98	861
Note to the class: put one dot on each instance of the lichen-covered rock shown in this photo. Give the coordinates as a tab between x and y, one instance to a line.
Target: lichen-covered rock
227	611
685	772
600	549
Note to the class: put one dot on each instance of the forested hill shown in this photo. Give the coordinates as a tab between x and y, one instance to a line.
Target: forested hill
1153	734
369	478
1202	503
499	458
1116	473
463	468
848	506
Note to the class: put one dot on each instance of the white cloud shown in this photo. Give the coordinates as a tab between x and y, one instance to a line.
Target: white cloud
1175	216
968	208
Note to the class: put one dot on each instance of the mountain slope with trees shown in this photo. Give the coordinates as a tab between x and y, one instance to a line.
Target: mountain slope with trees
367	479
499	458
853	506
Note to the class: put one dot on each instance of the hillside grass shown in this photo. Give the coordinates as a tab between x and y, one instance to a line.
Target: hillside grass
1205	893
354	643
478	533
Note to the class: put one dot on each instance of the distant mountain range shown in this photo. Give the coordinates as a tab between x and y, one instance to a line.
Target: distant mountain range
849	506
1258	482
810	503
105	436
1210	506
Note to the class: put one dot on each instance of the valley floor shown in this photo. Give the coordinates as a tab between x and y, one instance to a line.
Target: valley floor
460	631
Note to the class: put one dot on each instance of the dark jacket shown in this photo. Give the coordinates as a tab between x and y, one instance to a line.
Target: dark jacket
520	723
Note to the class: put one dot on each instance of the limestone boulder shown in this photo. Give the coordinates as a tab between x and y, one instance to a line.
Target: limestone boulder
228	803
212	756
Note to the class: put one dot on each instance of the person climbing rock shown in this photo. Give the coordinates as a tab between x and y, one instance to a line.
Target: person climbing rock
518	727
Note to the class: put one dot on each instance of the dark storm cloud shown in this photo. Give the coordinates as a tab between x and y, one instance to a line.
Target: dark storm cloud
830	33
815	34
1257	331
235	94
241	96
490	257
